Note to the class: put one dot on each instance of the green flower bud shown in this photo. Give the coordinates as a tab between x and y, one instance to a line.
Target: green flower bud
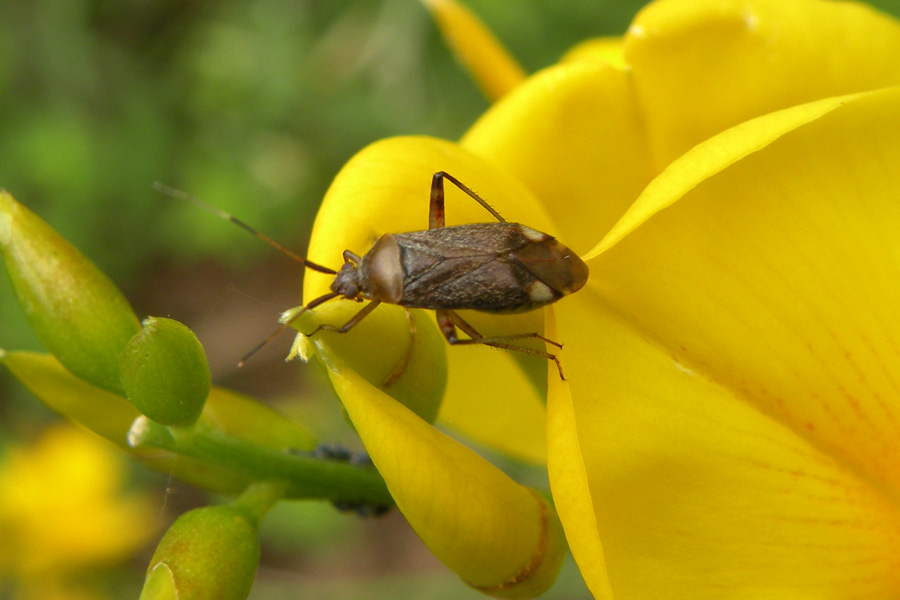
165	373
209	553
75	310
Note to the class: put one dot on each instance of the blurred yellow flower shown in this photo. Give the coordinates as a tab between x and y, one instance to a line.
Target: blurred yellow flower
63	511
731	422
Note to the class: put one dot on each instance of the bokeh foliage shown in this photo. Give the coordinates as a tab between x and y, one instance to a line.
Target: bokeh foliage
252	106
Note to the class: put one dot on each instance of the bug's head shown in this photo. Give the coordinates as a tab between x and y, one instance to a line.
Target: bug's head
346	282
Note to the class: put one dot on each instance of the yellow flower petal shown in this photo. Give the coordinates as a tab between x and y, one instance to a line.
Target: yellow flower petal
705	160
700	69
568	133
736	409
589	136
603	50
413	369
389	183
492	404
489	63
570	485
410	363
694	492
800	253
494	533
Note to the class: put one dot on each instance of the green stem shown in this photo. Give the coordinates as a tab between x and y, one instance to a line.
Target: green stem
302	475
258	498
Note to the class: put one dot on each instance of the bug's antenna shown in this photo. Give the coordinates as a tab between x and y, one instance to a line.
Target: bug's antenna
180	195
286	325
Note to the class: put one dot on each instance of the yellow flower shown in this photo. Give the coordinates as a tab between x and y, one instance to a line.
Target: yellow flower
731	421
62	510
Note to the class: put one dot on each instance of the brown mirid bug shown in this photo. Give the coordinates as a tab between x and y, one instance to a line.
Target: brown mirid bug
498	268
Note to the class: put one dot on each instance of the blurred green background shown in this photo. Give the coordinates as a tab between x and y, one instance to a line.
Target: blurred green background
252	106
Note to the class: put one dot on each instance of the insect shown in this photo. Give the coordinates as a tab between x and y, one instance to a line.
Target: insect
497	267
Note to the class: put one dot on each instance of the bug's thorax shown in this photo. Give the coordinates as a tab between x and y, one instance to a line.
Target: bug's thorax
378	274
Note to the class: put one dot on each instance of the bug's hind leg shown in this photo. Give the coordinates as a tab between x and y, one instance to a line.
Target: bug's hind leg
448	321
436	207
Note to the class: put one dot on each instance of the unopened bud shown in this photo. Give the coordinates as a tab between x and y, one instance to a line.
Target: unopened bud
165	373
75	310
209	553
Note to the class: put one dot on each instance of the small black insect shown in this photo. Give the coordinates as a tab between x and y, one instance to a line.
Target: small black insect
496	268
340	453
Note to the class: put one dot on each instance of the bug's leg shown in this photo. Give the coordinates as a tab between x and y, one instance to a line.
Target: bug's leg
436	204
472	333
401	367
436	211
448	321
362	314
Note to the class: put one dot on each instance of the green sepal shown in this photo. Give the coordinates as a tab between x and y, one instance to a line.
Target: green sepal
160	584
165	373
75	310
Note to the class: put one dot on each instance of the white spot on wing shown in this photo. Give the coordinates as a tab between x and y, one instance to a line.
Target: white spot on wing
532	234
539	291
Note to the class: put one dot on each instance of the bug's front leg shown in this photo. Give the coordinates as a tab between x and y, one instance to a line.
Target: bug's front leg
362	314
402	365
448	321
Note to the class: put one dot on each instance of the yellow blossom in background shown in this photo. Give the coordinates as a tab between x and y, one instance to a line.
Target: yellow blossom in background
63	512
731	421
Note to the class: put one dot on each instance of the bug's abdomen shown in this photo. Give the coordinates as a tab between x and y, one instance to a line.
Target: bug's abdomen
490	267
490	287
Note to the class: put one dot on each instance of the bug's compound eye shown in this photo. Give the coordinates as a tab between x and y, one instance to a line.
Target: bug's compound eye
352	292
